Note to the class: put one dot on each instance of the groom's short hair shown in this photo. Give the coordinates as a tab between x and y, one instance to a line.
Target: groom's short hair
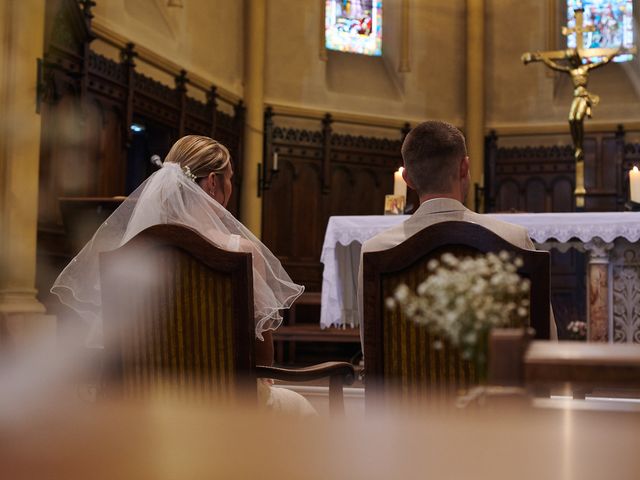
432	152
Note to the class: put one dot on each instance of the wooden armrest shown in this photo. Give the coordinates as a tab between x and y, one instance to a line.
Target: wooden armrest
343	370
339	373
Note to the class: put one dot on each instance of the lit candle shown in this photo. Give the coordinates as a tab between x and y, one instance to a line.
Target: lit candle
275	161
634	184
399	187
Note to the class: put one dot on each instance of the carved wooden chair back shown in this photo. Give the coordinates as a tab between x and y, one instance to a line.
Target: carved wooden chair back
400	357
178	315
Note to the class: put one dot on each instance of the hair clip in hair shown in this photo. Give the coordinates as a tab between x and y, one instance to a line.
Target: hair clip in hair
187	172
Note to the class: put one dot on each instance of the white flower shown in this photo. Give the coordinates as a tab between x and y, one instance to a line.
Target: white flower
463	297
470	338
390	303
449	259
402	293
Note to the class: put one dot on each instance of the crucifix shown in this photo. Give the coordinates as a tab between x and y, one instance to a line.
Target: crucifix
577	62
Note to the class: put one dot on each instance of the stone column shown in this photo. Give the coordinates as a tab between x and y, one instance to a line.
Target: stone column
254	59
598	290
404	65
21	44
474	124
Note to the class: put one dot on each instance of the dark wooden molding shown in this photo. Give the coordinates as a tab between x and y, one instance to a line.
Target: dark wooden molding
181	92
326	157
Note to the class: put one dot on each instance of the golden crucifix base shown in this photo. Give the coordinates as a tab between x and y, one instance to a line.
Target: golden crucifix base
580	191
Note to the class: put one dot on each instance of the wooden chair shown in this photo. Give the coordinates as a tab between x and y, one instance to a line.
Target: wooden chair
178	309
399	355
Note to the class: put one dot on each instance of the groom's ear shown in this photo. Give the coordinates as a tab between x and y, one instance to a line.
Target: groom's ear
405	177
464	167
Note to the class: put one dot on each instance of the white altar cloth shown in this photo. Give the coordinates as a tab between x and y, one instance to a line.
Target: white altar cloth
345	235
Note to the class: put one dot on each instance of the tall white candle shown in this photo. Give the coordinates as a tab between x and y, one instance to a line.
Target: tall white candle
399	187
634	184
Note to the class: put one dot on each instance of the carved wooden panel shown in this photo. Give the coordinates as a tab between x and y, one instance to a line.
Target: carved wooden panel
321	173
525	179
87	104
542	179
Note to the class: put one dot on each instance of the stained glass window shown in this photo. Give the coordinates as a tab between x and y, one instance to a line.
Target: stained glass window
354	26
613	20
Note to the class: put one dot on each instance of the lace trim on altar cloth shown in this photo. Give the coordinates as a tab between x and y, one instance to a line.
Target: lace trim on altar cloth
563	227
549	228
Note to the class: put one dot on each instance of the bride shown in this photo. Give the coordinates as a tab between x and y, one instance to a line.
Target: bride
192	189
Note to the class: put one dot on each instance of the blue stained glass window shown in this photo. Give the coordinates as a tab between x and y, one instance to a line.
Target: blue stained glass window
613	20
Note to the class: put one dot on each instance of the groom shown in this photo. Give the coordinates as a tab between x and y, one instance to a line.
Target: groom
436	166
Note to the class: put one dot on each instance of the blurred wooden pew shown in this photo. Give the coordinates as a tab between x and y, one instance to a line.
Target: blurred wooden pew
515	360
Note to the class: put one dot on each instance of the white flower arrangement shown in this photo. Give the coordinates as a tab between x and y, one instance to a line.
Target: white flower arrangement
577	330
461	300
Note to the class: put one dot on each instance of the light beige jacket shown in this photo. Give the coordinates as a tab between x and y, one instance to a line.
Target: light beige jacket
444	210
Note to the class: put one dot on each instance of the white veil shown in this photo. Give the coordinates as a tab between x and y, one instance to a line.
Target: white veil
171	196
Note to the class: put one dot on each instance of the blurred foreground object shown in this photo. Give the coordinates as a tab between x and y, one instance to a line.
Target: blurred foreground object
160	441
586	365
577	367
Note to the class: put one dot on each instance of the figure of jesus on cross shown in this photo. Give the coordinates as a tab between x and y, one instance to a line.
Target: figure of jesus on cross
578	63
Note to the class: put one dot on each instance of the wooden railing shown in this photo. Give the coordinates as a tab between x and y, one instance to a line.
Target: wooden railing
163	64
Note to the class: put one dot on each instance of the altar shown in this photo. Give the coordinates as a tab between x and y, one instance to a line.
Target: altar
610	240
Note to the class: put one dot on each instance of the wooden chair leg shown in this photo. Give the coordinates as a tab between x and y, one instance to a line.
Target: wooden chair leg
336	395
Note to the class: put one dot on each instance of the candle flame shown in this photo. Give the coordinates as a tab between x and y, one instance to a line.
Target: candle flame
401	169
635	169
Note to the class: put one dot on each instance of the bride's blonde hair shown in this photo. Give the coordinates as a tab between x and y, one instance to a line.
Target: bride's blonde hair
201	155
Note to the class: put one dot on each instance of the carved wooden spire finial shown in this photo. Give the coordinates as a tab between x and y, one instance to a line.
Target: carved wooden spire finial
87	5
